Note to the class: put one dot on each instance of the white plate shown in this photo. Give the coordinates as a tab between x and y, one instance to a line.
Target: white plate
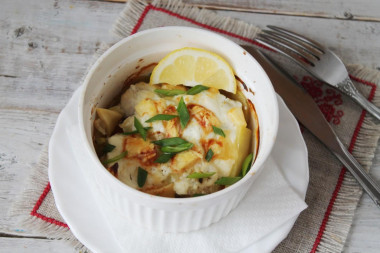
78	206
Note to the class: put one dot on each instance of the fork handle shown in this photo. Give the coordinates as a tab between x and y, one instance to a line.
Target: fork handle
348	87
368	106
363	178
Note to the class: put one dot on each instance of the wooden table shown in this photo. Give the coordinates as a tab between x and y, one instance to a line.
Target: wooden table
46	47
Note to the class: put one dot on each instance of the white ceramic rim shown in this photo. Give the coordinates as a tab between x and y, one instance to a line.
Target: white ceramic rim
297	178
145	196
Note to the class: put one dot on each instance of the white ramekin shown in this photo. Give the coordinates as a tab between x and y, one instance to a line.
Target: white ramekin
105	79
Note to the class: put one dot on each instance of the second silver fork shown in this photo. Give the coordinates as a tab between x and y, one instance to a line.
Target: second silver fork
317	60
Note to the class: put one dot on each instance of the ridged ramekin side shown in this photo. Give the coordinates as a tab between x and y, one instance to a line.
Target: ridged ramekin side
170	218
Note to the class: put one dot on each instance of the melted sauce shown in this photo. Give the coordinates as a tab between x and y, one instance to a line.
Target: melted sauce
139	75
241	81
114	169
203	116
256	129
170	110
206	144
147	154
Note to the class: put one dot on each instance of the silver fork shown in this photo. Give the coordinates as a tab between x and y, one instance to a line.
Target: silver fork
317	60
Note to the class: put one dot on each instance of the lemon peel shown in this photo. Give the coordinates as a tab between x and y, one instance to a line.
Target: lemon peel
193	66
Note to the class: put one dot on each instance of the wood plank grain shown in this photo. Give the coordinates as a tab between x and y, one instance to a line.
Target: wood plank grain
366	220
354	42
44	59
23	134
366	10
47	46
45	63
25	245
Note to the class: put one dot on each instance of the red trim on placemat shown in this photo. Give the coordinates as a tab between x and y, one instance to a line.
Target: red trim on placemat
373	86
38	204
141	19
356	132
173	14
343	170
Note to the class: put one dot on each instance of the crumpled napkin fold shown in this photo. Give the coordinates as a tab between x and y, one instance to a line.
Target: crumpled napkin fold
268	204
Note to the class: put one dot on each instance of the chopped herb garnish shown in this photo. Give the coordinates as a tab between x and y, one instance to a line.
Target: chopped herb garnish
197	89
174	141
161	117
177	149
246	164
131	132
198	194
183	113
141	177
218	130
108	148
116	158
169	93
227	180
140	128
135	131
163	158
200	175
209	154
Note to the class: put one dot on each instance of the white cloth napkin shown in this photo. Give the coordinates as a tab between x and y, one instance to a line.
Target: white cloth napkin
269	203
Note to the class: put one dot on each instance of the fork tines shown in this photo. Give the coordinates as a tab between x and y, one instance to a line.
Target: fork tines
295	46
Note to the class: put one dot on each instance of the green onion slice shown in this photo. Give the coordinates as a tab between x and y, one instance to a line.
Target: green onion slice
173	141
164	158
209	154
246	164
141	177
218	130
178	148
116	158
200	175
183	113
161	117
197	89
140	129
227	180
136	132
108	148
169	93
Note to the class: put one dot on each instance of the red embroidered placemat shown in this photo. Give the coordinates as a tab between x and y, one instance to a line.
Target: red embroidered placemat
332	195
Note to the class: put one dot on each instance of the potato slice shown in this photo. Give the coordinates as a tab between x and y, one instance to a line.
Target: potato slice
128	124
185	160
117	108
100	127
237	116
243	141
109	118
146	107
165	191
239	96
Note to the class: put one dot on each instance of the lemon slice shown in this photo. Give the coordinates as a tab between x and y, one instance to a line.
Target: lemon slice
193	66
